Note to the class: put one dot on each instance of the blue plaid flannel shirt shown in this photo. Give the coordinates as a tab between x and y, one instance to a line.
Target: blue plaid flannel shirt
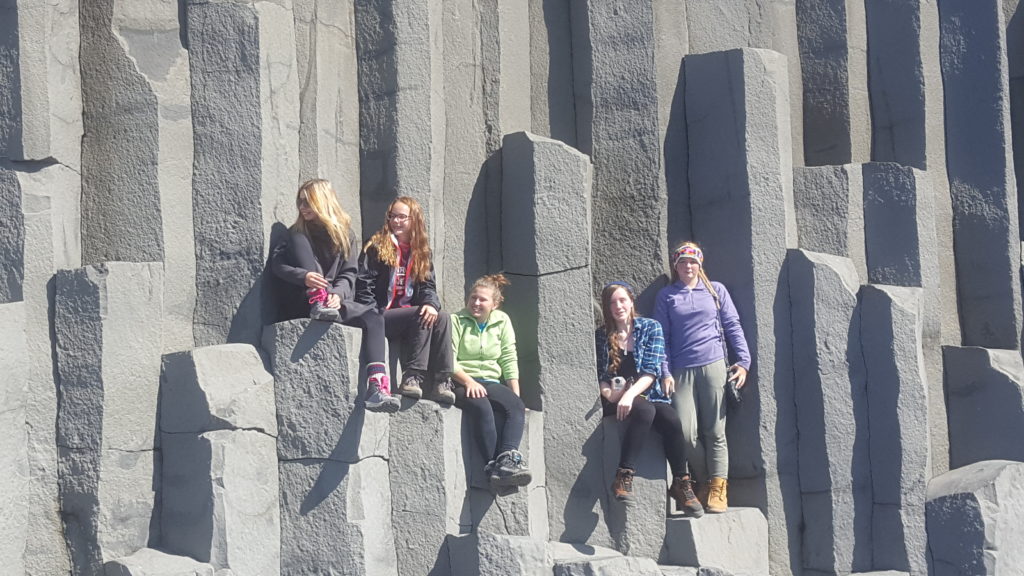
649	351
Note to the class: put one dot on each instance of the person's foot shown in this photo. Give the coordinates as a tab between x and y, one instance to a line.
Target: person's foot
444	392
702	490
510	470
411	386
682	492
622	487
718	499
378	395
320	312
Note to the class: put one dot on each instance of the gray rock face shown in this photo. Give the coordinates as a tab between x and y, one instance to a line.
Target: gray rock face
736	541
990	383
986	240
219	490
546	185
742	196
975	519
220	499
12	239
332	455
402	126
325	49
487	554
108	364
834	66
551	82
14	483
245	117
217	388
837	191
149	562
50	200
897	390
832	411
637	527
40	83
613	45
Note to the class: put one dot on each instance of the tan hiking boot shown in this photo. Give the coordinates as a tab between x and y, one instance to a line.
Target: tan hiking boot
718	500
622	487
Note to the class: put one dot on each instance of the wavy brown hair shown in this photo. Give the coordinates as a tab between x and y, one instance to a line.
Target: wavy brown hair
419	244
321	198
495	282
614	348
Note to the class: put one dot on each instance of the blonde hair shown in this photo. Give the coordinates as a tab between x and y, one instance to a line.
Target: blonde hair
701	275
495	282
419	244
322	201
614	348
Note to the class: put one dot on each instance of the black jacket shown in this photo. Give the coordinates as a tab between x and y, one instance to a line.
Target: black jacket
374	283
341	275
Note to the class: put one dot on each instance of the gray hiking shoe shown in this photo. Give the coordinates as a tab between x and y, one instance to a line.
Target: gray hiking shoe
510	470
378	395
444	392
412	382
320	312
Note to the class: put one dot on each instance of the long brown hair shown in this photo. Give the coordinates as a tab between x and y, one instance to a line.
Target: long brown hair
614	348
320	196
419	244
701	275
495	282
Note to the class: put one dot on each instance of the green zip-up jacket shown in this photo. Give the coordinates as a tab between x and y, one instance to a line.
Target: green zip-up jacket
488	355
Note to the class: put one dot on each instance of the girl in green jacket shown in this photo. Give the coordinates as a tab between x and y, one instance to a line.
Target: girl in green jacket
487	382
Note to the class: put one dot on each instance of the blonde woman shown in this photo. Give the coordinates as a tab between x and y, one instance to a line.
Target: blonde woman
319	261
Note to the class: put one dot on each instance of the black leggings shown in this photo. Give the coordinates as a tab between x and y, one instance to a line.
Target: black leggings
423	349
498	418
644	416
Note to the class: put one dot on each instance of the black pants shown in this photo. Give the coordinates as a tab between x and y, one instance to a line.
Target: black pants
498	418
300	253
642	418
423	349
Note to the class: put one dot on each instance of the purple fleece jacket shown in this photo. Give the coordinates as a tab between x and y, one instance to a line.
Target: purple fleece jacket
688	317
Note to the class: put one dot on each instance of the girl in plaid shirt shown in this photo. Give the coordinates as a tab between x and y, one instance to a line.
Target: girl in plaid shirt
630	363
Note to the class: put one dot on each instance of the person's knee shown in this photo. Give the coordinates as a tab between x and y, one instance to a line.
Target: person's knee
643	412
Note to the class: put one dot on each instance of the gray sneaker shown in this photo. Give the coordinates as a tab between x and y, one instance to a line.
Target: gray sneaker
411	386
320	312
378	395
510	470
444	392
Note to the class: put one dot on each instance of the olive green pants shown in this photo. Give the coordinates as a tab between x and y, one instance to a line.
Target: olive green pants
699	400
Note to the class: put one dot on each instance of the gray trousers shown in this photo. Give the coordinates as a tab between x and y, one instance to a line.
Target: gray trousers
699	400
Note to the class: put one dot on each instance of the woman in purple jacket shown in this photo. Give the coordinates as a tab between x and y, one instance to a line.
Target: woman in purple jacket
699	318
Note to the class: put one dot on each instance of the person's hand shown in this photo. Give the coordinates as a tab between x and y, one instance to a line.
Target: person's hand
739	374
668	384
475	389
333	301
428	315
315	280
625	407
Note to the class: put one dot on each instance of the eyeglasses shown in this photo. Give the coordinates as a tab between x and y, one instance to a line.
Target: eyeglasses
398	217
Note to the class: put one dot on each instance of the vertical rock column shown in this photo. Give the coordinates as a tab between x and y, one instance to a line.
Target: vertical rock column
832	413
137	148
830	211
332	455
401	108
545	185
14	483
219	490
108	361
986	240
551	98
737	110
245	115
325	48
613	47
833	58
891	336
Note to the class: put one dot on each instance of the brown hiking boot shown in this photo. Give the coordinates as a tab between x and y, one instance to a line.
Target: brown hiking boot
686	501
702	490
444	392
411	386
718	500
622	487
